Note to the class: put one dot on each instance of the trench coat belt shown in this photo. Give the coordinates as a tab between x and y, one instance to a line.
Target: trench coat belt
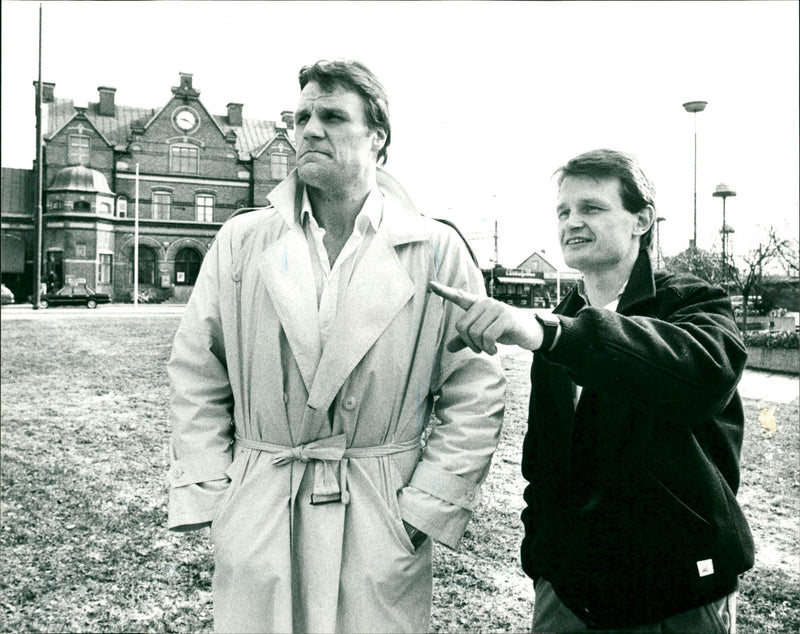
326	451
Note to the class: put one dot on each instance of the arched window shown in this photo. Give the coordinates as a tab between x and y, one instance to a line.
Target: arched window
147	265
81	205
187	266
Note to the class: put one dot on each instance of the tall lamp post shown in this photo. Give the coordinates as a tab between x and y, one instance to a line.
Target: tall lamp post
694	107
659	220
724	191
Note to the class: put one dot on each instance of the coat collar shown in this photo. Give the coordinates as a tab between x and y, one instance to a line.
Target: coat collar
363	314
641	286
402	222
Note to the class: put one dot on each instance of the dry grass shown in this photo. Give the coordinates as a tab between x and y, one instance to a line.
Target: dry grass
82	517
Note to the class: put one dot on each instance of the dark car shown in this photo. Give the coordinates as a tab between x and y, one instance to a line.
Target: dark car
78	295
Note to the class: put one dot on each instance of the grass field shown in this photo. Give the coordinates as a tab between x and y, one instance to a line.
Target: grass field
83	507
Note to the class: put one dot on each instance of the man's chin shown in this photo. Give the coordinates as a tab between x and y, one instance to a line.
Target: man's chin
312	174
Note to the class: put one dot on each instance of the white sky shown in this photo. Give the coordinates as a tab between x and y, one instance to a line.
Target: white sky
487	98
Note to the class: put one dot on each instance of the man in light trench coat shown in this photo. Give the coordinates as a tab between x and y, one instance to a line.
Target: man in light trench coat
303	376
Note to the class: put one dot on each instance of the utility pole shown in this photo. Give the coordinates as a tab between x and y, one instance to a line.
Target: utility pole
496	253
37	268
694	107
136	241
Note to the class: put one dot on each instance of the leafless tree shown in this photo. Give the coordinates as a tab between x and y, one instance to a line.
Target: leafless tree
748	276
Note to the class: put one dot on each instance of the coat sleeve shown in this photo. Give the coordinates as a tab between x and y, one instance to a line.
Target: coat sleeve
688	359
469	391
201	405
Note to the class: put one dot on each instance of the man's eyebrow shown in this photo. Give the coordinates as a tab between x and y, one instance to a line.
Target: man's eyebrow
586	201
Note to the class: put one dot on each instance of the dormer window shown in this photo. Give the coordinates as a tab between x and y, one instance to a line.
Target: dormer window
279	165
78	149
183	159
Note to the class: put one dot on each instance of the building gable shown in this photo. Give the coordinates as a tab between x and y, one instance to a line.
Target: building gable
536	262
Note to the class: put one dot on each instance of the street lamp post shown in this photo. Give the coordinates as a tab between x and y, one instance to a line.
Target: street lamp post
723	191
694	107
659	220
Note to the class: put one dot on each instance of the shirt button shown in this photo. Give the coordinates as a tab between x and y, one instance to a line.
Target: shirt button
471	496
349	402
285	398
178	471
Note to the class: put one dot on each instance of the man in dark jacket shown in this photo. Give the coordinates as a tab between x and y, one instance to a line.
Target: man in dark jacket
635	423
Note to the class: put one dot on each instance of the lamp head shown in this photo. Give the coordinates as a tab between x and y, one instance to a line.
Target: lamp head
695	106
723	191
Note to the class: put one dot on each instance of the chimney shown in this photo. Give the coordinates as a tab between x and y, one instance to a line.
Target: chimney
235	114
106	107
287	116
47	91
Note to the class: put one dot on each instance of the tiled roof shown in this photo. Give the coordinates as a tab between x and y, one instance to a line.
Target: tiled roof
250	137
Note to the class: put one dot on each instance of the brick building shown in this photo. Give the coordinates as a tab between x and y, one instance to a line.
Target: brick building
195	169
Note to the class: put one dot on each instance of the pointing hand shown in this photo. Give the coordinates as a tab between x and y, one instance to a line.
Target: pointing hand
488	322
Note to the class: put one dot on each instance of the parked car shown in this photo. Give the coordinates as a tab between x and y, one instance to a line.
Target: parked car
79	295
6	296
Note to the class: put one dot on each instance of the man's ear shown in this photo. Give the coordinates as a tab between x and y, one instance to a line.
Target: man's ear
378	139
645	218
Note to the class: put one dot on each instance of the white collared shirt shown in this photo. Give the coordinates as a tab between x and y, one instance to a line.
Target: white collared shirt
332	280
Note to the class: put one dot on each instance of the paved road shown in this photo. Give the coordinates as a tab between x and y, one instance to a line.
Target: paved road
755	384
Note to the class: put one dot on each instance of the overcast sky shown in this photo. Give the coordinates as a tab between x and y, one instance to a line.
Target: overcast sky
487	98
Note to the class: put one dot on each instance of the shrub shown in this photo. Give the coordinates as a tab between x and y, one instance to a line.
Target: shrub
783	339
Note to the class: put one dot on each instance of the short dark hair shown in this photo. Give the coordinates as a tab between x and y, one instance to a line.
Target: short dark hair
354	76
636	190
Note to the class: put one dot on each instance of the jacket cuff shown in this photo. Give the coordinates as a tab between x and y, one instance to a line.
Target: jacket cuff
446	486
439	503
194	506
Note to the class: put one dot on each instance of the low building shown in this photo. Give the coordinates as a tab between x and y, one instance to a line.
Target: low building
178	169
534	283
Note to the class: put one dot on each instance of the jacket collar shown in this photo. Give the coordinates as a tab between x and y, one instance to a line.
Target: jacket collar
641	287
401	221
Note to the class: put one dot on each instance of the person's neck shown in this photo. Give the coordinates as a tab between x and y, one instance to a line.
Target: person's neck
603	286
336	210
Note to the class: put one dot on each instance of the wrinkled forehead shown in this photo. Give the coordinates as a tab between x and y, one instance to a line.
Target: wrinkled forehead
332	95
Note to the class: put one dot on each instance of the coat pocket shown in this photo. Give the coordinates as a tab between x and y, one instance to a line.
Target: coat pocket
234	473
395	484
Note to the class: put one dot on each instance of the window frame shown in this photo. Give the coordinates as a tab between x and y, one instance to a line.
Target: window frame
283	164
208	215
103	266
78	154
157	207
184	164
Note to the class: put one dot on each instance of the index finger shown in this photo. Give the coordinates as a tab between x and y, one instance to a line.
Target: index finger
455	295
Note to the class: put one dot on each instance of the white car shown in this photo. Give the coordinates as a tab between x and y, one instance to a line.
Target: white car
6	296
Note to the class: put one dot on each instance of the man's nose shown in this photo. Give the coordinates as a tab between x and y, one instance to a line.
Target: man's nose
313	128
572	220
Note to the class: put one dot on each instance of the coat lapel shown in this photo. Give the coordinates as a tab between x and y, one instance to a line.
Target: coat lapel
378	290
286	269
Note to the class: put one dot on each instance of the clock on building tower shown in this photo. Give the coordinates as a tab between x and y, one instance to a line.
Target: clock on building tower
185	119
